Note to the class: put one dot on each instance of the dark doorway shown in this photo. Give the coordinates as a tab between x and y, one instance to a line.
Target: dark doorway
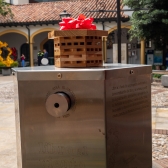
24	49
49	46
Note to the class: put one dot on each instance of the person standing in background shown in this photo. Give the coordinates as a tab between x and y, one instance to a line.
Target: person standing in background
45	54
23	60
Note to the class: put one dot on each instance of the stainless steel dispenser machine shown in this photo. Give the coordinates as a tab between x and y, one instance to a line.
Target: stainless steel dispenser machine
83	117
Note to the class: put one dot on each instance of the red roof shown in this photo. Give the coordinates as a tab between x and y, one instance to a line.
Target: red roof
49	11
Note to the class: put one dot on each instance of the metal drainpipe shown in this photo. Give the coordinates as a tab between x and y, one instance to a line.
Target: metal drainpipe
104	45
11	2
103	25
28	38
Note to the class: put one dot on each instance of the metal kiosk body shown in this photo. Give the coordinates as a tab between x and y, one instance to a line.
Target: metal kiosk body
83	118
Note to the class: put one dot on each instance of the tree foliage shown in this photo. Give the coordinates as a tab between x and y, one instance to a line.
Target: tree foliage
150	20
5	9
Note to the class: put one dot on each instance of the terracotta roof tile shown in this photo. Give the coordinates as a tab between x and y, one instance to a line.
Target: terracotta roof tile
49	11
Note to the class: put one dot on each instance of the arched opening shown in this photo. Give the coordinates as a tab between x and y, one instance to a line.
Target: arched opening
42	42
38	39
10	38
24	49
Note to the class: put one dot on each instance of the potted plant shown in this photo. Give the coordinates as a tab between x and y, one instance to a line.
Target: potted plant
6	70
6	62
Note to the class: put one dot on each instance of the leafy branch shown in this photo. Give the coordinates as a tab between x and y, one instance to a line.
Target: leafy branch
150	24
5	9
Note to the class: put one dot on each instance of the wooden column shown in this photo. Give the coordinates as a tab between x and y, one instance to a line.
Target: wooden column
31	55
142	51
104	38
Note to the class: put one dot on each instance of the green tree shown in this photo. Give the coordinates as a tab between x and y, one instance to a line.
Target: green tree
150	23
5	9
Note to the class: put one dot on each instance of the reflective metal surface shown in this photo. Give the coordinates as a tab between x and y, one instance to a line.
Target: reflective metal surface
128	121
53	73
58	104
101	119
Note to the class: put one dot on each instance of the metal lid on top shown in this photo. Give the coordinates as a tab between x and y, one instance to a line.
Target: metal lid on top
90	73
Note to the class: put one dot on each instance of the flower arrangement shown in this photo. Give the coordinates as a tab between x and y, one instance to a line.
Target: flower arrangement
14	53
5	56
40	53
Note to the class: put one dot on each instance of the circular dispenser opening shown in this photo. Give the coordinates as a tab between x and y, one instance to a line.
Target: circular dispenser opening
58	104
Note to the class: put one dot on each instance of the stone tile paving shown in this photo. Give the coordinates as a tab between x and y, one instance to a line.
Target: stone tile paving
160	146
159	106
159	96
159	121
7	124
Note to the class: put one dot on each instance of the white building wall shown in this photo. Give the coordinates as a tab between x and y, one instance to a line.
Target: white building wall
129	13
99	26
33	29
108	25
4	29
18	2
8	1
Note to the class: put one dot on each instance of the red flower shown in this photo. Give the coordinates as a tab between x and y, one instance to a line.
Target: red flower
14	53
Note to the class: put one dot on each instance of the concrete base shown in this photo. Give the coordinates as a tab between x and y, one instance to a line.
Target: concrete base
164	80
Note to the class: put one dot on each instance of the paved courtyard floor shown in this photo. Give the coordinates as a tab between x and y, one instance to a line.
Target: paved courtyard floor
7	124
